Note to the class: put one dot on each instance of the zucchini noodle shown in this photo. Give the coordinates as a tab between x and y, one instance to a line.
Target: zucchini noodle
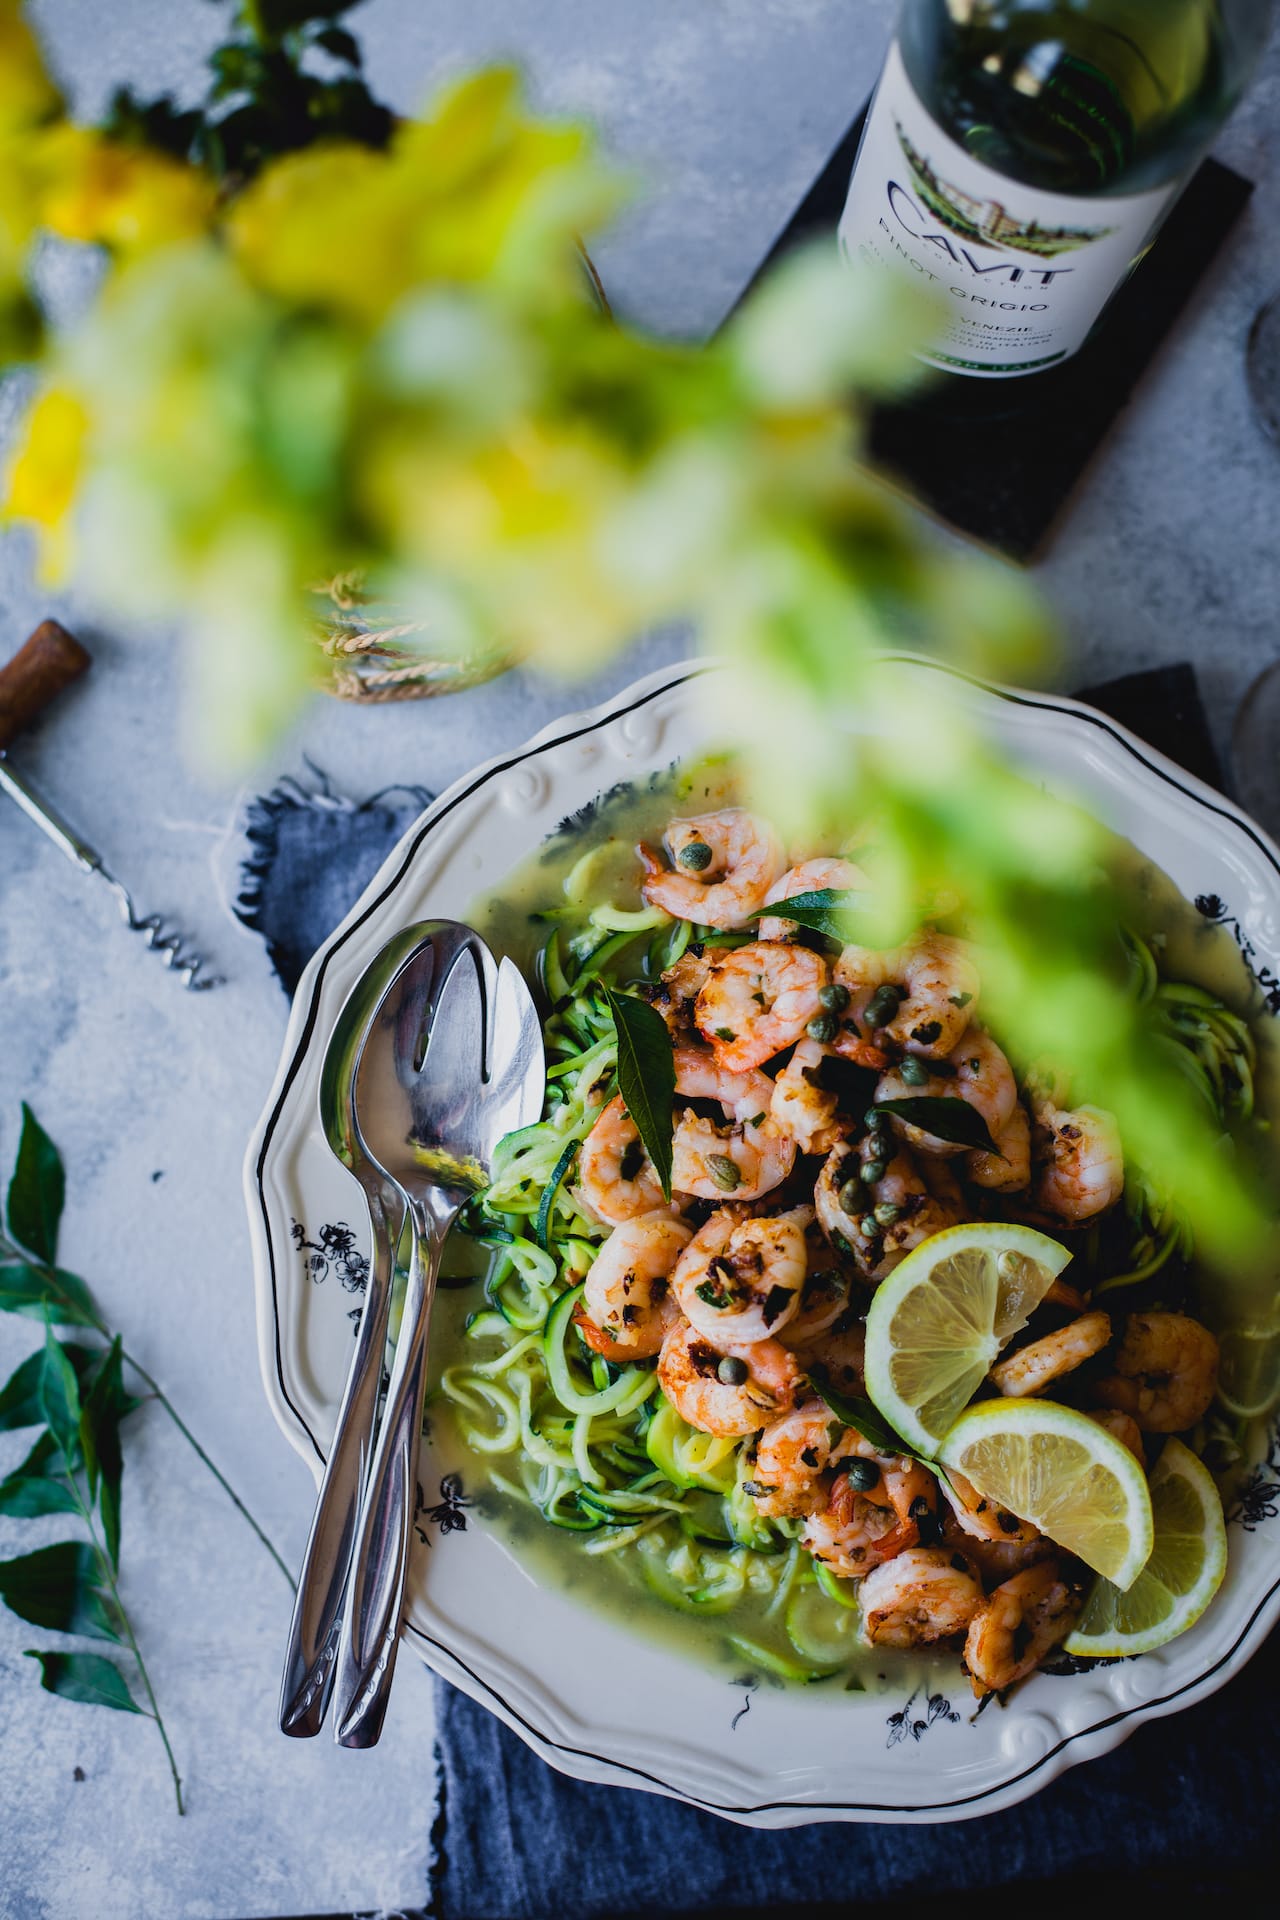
594	1447
1216	1050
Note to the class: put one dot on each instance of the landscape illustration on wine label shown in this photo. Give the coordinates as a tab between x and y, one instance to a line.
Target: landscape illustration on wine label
986	221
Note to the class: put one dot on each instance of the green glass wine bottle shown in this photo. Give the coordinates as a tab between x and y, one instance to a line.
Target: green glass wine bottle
1019	156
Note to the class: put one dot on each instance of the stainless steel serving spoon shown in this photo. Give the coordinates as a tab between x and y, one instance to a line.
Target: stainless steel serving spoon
317	1610
453	1062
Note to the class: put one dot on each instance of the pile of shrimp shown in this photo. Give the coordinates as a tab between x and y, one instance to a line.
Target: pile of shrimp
793	1196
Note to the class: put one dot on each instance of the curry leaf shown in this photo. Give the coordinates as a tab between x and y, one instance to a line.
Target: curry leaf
646	1077
55	1587
860	1414
100	1441
37	1190
834	911
37	1486
60	1396
20	1395
87	1677
46	1293
946	1117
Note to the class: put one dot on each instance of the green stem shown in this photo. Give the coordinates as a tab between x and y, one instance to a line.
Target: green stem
50	1274
219	1476
108	1574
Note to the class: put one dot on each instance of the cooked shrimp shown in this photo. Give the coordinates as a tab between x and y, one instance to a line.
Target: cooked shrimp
738	1280
980	1518
675	994
1166	1372
758	1000
745	1160
1079	1162
802	1105
700	1076
925	1595
926	990
1034	1368
1124	1428
627	1295
877	1222
837	1356
615	1176
996	1560
723	865
824	1296
729	1392
1008	1169
811	876
1019	1624
977	1072
792	1456
863	1525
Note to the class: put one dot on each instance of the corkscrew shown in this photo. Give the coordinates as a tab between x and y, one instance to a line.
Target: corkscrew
49	661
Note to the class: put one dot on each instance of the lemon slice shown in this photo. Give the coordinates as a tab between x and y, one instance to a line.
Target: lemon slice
1064	1473
1184	1572
941	1318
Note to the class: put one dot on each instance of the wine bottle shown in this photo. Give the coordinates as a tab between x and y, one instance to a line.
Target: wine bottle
1019	156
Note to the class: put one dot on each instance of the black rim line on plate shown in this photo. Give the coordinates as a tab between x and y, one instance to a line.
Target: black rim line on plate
434	815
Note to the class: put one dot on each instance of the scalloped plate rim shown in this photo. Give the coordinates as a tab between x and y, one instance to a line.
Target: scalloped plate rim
1100	1736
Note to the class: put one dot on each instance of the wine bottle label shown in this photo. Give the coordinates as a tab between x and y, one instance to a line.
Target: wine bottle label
1021	274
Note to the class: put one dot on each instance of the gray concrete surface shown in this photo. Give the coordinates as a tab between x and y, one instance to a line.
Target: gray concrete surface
725	108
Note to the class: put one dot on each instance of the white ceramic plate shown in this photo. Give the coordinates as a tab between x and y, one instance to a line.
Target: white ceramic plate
527	1650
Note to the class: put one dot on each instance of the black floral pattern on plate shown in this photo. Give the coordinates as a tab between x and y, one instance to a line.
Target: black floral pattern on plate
333	1252
448	1513
905	1722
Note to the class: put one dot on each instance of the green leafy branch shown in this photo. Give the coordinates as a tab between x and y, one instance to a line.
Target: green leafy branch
264	97
76	1395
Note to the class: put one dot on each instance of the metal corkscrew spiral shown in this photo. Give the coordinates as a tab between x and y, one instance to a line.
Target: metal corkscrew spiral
51	660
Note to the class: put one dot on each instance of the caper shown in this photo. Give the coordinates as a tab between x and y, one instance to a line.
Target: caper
696	856
823	1026
834	998
914	1072
874	1118
850	1197
867	1226
732	1371
872	1171
723	1172
862	1475
887	1212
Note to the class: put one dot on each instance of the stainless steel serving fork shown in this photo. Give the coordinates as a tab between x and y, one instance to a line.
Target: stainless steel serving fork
317	1611
453	1062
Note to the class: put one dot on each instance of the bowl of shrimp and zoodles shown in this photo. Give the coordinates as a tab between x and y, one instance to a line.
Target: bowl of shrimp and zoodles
815	1321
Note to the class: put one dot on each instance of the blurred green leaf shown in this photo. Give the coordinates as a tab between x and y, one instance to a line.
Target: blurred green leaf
36	1191
87	1677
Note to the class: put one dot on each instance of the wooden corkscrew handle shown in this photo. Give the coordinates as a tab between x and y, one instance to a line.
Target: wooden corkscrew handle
38	672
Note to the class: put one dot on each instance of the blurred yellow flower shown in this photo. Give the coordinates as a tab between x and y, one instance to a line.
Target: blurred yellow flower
45	473
27	94
477	190
119	195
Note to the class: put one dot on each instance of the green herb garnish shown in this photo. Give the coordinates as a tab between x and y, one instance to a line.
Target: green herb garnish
646	1077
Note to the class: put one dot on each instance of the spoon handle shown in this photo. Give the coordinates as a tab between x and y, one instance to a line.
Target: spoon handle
384	1536
317	1611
